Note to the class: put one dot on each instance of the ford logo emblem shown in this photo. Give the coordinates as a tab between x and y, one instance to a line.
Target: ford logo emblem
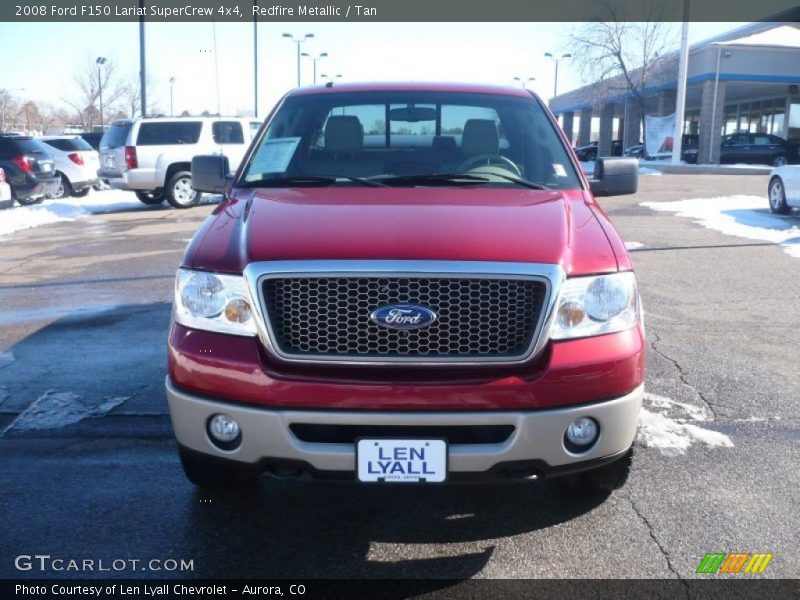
403	316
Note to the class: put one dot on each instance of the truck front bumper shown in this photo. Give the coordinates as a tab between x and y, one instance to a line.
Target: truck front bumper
536	443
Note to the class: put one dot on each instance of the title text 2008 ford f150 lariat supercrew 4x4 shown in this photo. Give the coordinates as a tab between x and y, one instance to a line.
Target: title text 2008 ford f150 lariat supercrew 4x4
407	283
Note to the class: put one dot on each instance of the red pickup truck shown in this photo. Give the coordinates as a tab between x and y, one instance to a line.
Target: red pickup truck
407	283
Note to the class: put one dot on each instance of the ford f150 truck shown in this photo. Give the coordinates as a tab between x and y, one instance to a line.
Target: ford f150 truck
407	283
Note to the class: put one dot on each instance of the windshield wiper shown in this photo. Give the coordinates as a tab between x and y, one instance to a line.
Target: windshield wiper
308	180
434	178
518	180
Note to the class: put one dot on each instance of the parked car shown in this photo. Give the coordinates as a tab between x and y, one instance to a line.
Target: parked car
409	313
757	148
93	139
29	168
6	200
76	164
152	156
635	151
784	189
589	153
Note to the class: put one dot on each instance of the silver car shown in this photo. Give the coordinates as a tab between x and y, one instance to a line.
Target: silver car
152	156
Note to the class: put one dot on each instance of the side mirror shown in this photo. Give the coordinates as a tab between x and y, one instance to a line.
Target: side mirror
615	176
211	173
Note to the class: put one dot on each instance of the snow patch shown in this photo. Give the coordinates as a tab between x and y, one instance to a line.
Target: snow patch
58	409
633	245
740	216
667	428
6	358
69	209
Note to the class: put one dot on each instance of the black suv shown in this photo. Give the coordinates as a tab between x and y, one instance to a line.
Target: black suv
29	168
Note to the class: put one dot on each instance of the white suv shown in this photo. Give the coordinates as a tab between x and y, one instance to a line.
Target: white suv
76	164
153	156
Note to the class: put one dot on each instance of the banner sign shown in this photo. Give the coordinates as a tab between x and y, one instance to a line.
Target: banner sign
658	135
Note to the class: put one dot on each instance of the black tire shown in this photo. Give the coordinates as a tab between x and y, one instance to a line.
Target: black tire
603	479
150	198
28	201
779	161
179	192
64	191
211	472
777	197
81	194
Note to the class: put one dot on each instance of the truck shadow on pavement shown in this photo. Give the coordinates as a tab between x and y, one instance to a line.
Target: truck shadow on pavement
124	484
346	530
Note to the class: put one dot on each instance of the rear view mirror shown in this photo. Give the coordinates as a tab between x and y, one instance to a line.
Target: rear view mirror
412	114
615	176
210	173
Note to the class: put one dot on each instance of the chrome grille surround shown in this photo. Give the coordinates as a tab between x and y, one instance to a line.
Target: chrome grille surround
257	274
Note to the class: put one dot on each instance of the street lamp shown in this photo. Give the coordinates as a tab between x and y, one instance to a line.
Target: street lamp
524	82
555	60
171	83
5	93
298	41
100	62
315	59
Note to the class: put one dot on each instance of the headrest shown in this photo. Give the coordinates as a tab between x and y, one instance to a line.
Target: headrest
344	134
444	143
480	137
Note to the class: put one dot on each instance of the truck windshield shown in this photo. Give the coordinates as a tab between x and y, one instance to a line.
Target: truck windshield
407	138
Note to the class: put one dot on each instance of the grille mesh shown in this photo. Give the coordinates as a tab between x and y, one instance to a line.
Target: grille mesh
329	316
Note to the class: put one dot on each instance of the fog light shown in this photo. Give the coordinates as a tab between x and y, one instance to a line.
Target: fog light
224	431
581	434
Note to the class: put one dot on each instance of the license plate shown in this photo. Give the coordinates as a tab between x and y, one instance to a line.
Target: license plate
46	167
401	461
109	161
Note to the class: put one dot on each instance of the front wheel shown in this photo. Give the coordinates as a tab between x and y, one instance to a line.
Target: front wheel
777	197
150	198
607	478
210	472
179	191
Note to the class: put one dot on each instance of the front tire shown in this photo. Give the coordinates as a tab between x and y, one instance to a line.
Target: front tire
210	472
603	479
150	198
179	191
777	197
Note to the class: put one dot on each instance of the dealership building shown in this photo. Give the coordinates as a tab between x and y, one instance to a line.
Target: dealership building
746	80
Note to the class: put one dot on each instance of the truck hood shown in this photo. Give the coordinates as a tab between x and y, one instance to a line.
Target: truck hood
477	224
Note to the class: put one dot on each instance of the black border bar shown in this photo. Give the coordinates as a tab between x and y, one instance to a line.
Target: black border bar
392	10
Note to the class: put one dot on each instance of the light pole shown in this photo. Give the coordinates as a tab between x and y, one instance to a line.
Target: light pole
555	60
5	98
171	83
314	59
298	41
101	60
524	82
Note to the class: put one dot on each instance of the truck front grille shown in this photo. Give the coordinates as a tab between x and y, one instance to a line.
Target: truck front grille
479	319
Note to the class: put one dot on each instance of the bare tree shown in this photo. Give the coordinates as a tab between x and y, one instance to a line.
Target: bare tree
88	79
622	56
131	94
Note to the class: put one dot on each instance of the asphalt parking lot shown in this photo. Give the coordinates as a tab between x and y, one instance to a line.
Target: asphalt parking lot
90	469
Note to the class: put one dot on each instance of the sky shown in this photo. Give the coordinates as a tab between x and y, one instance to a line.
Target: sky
470	52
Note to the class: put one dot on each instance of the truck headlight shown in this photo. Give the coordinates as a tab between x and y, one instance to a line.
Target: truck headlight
213	302
597	305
